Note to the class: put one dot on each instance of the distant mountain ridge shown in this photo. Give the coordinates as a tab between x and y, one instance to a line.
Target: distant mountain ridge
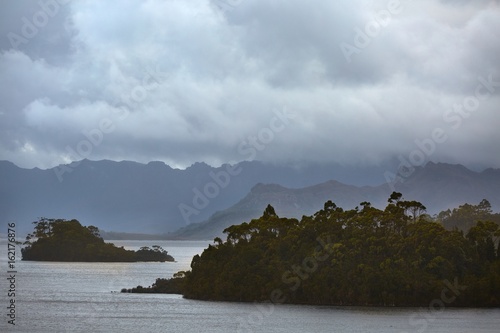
438	186
146	198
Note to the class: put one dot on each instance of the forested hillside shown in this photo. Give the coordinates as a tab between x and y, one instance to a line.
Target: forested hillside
398	256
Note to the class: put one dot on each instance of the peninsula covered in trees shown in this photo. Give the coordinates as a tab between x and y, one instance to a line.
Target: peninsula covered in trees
68	240
398	256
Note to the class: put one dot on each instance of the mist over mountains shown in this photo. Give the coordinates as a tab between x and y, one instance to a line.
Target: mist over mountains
438	186
133	197
202	200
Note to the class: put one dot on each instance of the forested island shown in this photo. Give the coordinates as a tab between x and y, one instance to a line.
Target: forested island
68	240
398	256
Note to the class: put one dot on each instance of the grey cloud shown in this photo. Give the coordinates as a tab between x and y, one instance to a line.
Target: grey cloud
184	82
41	29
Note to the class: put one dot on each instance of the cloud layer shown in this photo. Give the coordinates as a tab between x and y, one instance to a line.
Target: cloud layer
227	80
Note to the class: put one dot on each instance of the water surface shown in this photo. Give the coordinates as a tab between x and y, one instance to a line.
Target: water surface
84	297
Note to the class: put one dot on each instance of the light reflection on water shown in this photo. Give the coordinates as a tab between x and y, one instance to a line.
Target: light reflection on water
84	297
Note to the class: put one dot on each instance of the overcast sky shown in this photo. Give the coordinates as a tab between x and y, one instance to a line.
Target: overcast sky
355	82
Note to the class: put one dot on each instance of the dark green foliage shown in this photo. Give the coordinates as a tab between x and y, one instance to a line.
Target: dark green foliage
156	253
393	257
161	286
63	240
465	216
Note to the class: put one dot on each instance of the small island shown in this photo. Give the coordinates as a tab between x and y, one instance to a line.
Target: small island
68	240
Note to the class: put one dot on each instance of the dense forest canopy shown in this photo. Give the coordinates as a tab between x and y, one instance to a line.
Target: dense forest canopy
465	216
68	240
398	256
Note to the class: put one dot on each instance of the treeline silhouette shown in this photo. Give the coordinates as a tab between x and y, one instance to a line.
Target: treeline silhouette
398	256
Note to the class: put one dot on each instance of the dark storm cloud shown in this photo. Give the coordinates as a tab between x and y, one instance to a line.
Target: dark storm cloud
354	81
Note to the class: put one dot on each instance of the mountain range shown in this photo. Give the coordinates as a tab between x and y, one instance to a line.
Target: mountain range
201	201
438	186
149	198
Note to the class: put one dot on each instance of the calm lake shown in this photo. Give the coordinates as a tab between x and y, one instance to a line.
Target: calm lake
85	297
